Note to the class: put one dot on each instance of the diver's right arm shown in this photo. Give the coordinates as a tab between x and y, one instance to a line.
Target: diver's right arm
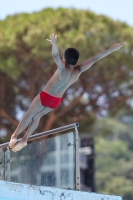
55	52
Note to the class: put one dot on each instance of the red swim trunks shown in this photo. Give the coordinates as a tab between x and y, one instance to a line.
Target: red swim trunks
49	101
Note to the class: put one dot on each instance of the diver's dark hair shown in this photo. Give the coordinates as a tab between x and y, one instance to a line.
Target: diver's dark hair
71	55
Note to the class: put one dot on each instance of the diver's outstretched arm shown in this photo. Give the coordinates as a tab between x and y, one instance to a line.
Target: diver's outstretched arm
88	63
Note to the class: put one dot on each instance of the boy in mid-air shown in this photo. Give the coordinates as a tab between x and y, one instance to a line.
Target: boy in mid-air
50	98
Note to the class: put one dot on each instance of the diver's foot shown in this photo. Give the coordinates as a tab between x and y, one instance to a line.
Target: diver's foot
19	145
12	142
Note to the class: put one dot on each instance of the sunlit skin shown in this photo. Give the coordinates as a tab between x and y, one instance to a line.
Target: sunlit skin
63	77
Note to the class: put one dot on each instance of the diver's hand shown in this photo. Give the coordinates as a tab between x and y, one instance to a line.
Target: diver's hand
53	39
117	46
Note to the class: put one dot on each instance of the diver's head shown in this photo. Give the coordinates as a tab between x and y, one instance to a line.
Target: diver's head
71	56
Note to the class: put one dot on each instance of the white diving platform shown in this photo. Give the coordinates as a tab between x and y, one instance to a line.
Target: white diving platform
18	191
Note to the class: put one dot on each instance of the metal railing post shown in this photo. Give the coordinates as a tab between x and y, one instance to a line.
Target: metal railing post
77	174
8	163
4	165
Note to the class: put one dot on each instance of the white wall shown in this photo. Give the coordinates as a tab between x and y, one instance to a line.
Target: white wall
17	191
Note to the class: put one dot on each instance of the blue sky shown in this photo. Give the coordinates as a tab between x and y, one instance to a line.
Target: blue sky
117	9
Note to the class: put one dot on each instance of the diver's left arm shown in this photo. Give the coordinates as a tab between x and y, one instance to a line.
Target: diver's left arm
88	63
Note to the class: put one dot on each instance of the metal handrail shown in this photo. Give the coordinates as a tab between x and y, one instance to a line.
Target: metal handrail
46	133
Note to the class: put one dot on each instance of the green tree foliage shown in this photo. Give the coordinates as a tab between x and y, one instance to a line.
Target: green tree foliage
114	160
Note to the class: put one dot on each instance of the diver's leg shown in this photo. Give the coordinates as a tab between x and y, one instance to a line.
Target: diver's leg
35	121
34	108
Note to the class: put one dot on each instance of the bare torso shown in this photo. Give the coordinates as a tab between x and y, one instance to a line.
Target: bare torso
61	80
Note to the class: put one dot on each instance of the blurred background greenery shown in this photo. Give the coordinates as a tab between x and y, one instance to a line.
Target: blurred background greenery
101	100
